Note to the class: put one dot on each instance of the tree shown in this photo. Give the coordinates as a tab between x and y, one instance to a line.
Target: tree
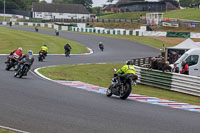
18	4
86	3
43	2
62	1
188	3
96	10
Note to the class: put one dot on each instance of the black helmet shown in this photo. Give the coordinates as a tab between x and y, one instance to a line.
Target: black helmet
129	62
45	45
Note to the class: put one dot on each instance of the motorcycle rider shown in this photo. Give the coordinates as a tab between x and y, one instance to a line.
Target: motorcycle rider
67	49
44	49
57	32
125	70
16	55
36	28
27	58
101	46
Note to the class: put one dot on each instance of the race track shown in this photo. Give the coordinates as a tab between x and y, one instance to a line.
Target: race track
37	105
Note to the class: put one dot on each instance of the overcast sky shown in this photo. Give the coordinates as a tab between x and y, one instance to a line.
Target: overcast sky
100	2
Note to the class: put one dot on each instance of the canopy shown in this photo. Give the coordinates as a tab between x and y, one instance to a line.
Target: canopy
187	44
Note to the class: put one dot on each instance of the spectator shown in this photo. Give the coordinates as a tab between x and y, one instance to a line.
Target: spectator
161	64
159	56
10	24
185	68
175	69
166	67
154	63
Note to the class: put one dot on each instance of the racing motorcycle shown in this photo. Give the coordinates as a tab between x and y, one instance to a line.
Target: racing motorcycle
41	56
12	61
121	85
22	70
36	29
67	53
57	33
101	47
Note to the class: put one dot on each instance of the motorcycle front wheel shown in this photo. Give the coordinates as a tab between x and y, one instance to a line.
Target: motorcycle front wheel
109	91
126	90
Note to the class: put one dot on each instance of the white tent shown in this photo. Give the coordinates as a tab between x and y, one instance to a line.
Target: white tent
187	44
173	53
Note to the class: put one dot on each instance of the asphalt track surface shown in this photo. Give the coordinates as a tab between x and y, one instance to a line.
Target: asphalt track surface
40	106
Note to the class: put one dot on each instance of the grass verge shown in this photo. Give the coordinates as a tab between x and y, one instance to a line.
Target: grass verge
188	14
101	74
127	15
7	18
114	25
11	39
5	131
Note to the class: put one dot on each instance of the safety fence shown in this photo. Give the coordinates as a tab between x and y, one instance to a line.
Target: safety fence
136	32
142	62
169	81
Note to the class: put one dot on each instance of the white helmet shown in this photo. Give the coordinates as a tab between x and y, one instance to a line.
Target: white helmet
20	48
100	43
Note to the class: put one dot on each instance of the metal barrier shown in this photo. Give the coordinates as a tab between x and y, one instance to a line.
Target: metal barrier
170	81
186	84
143	62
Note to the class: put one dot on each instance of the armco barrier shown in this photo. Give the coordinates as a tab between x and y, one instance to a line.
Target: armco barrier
156	78
170	81
186	84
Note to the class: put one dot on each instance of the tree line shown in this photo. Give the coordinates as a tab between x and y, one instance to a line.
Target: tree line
27	4
189	3
17	4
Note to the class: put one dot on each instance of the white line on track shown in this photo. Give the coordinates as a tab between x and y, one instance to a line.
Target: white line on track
12	129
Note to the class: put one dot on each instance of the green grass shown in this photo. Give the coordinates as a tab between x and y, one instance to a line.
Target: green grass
101	74
190	14
5	131
7	18
150	41
112	25
127	15
11	39
106	13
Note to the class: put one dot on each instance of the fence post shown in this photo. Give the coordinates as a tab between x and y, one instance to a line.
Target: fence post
138	62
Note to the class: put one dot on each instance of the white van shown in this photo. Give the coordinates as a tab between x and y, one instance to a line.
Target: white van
192	57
